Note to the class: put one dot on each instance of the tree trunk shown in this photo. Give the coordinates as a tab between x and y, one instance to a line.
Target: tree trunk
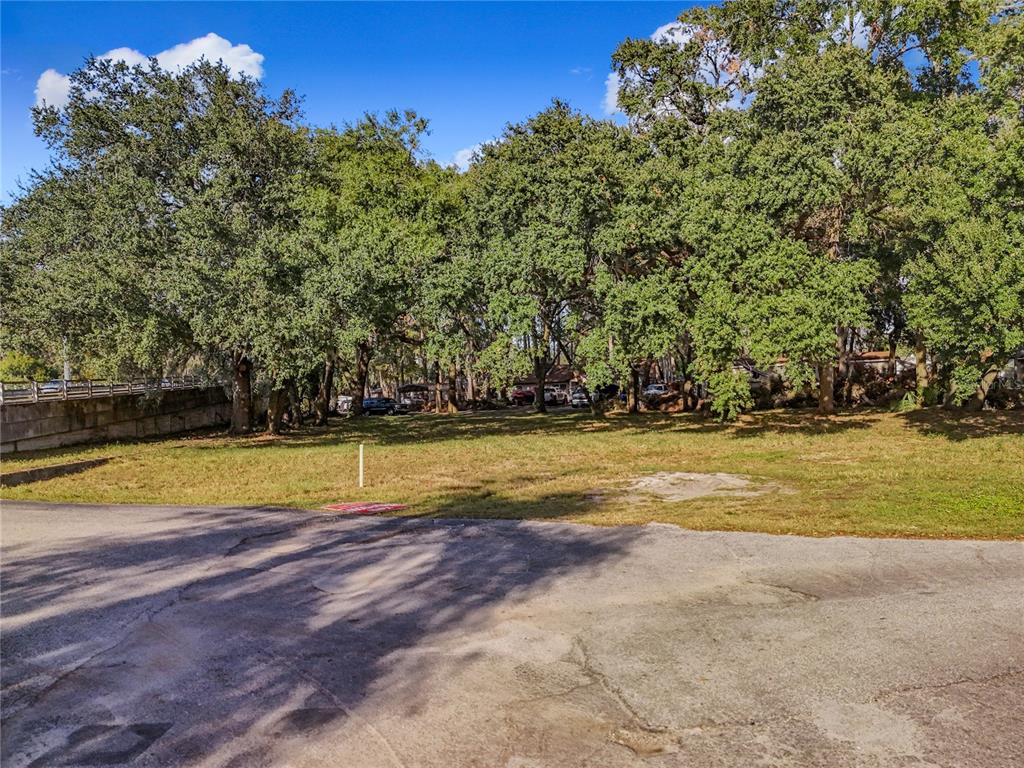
826	389
649	367
323	397
977	402
294	404
844	345
275	411
540	370
362	372
842	364
633	395
453	393
438	400
241	395
66	358
920	368
688	398
470	383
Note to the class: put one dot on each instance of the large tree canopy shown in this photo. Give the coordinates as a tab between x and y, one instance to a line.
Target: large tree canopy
368	218
826	149
160	230
539	201
797	181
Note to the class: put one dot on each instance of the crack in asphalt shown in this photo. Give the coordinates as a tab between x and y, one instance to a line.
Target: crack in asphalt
582	657
330	696
586	664
949	684
246	540
804	596
32	698
145	616
149	614
383	536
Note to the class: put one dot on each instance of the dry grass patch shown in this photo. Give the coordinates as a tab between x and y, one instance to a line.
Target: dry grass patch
921	474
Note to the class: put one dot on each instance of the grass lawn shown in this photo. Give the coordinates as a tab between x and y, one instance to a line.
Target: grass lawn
925	473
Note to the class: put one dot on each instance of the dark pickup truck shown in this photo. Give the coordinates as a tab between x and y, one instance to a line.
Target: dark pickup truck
383	406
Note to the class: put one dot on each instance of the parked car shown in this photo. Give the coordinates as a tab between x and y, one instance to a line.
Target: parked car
580	398
555	396
520	395
51	387
383	406
655	390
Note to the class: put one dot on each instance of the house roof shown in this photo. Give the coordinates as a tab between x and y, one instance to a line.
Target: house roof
557	374
875	354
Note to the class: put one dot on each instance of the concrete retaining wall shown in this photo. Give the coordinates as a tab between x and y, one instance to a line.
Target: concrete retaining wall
34	426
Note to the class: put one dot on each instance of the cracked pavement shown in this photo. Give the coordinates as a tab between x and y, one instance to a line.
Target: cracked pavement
162	636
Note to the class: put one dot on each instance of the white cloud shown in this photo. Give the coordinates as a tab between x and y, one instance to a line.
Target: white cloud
673	32
611	94
464	157
720	67
858	32
240	59
53	88
129	56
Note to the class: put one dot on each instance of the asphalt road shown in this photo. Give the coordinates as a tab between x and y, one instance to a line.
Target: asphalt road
157	636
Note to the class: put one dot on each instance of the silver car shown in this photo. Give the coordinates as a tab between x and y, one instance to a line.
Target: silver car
655	390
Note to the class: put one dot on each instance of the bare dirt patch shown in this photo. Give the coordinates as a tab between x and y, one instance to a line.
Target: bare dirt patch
681	486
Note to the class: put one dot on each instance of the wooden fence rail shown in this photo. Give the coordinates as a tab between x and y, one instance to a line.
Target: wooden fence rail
12	392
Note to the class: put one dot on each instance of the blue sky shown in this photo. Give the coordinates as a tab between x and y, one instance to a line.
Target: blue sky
470	68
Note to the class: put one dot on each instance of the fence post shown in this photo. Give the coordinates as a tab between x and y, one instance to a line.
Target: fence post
90	389
35	392
63	389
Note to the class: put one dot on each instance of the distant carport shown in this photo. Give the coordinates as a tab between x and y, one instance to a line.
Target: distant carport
406	389
414	393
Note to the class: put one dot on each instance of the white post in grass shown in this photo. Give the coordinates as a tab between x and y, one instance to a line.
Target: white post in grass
360	465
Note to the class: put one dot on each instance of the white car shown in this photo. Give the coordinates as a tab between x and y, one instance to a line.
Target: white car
655	390
580	398
555	396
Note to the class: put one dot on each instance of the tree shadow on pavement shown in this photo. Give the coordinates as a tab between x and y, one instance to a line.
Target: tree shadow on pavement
213	635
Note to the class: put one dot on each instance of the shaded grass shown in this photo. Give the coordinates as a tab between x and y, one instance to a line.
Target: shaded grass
927	473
